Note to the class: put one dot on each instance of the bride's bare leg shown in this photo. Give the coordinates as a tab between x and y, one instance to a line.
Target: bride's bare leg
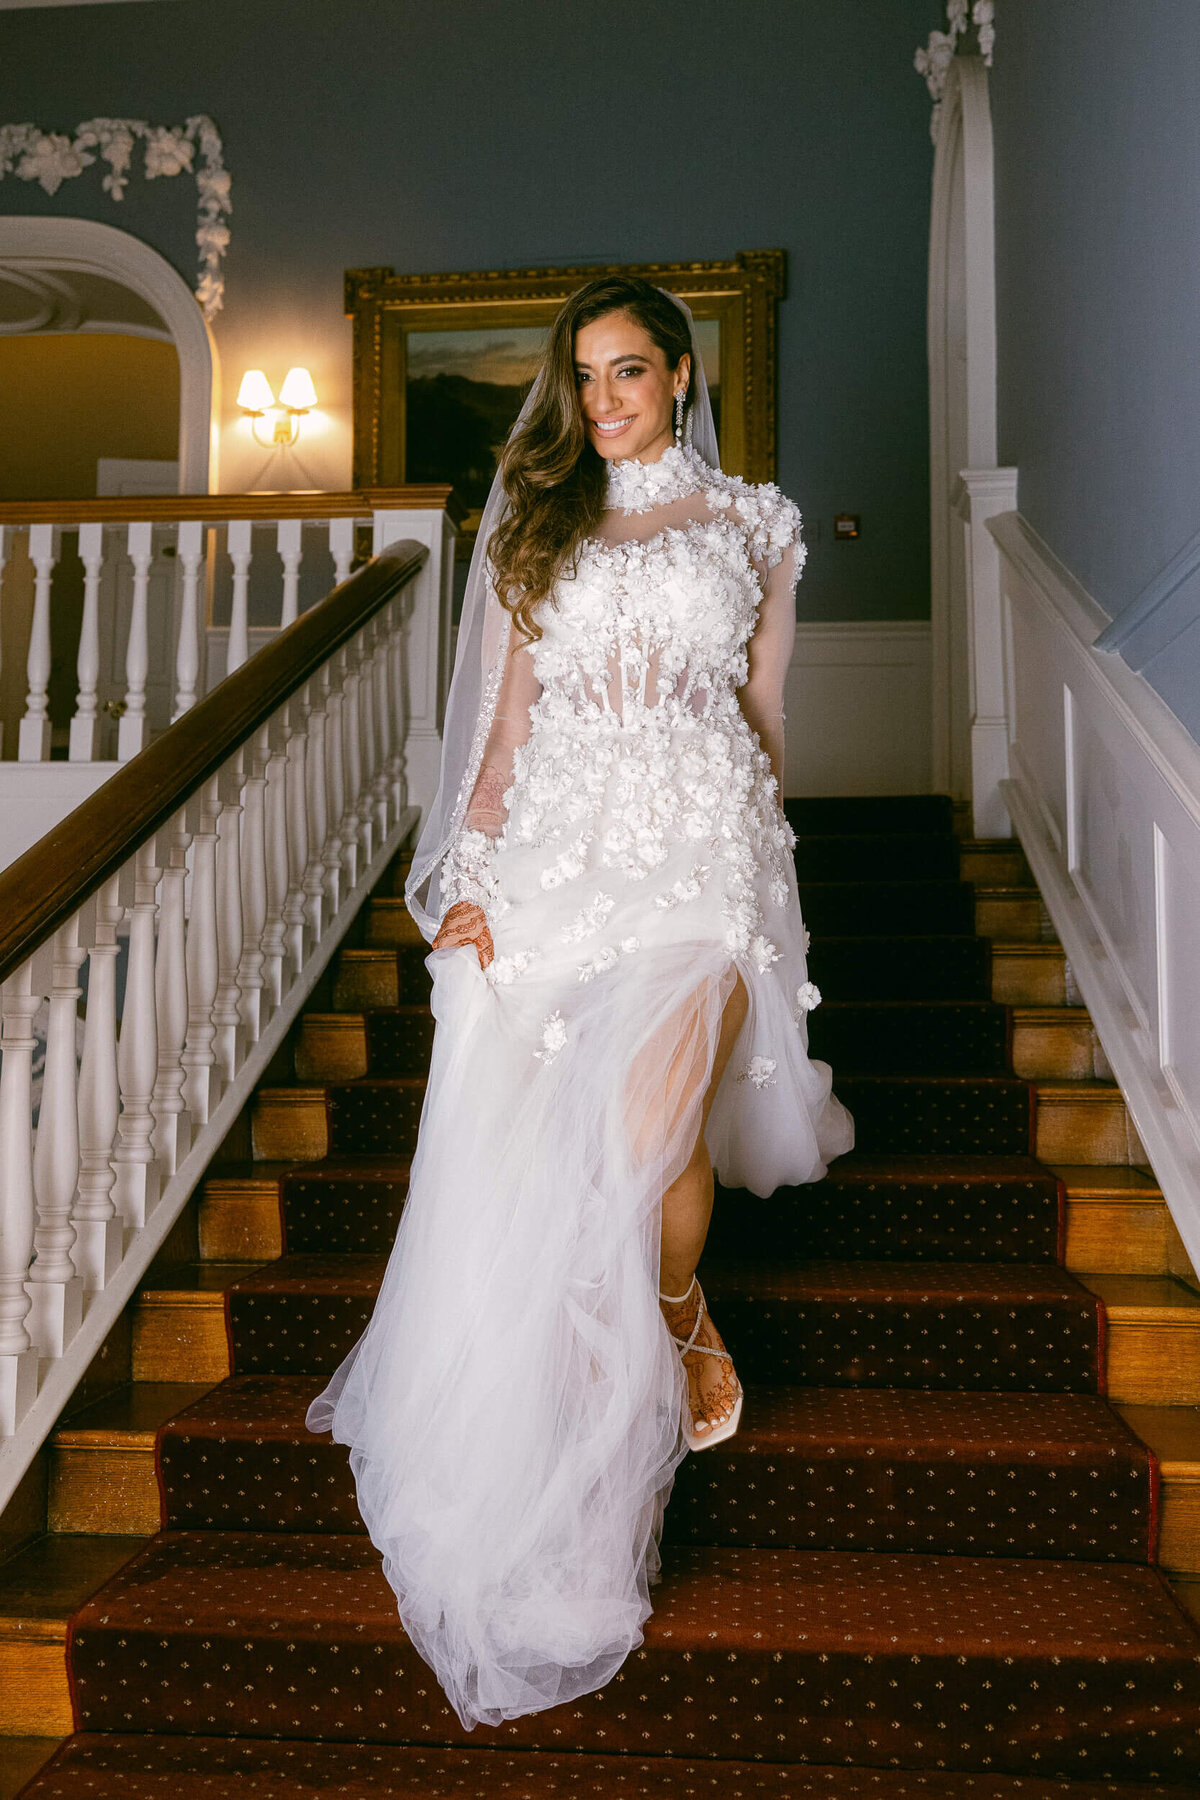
686	1211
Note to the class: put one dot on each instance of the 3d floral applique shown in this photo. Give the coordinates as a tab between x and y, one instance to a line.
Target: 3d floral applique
504	969
763	953
554	1038
608	958
759	1072
688	887
568	866
468	874
588	919
808	996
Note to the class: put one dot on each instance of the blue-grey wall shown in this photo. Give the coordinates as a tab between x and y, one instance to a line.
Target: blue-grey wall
1097	136
461	134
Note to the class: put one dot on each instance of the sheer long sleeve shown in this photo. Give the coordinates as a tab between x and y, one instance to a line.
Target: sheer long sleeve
467	870
769	655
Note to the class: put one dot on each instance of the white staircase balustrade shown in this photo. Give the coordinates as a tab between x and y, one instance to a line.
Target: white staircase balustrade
256	828
129	591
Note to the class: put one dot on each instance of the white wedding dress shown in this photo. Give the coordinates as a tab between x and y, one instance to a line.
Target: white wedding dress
513	1409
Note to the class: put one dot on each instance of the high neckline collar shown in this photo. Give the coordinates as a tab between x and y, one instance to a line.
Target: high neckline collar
636	487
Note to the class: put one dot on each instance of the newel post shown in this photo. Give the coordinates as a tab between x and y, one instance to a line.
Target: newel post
982	495
428	613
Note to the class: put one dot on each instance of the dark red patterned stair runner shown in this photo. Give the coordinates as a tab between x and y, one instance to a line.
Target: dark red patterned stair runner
923	1570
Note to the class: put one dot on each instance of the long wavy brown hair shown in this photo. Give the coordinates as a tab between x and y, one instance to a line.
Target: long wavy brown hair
554	479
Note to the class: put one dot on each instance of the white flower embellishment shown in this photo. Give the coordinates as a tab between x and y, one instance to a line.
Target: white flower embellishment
588	920
760	1072
554	1038
504	969
808	995
763	953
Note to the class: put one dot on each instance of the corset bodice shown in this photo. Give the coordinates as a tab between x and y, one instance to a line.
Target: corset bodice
660	623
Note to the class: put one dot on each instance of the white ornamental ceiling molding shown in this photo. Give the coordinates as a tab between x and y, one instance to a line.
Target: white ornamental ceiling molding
934	58
52	157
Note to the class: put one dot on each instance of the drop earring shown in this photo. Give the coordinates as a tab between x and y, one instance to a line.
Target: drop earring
679	405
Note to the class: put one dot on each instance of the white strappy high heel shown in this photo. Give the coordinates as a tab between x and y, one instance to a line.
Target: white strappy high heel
716	1434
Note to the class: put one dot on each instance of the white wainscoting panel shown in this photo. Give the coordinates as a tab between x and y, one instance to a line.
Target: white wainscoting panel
858	708
1104	793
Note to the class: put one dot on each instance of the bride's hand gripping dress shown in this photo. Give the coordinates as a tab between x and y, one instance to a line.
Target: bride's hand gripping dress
514	1408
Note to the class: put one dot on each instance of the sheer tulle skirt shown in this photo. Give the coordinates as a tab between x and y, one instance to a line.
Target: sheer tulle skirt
513	1410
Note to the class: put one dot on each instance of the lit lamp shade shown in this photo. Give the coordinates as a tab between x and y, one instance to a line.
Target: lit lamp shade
298	393
254	395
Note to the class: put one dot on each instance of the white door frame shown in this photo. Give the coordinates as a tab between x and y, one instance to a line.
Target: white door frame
82	244
962	392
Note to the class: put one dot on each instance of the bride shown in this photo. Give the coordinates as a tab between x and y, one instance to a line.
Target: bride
621	998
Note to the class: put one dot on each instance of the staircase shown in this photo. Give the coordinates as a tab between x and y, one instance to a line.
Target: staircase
930	1564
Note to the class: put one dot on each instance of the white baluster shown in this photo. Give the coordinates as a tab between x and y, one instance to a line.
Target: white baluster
275	821
238	545
85	726
190	546
381	747
254	886
228	1041
98	1231
172	1124
341	547
202	1078
294	910
352	765
132	734
397	700
288	541
55	1287
18	1358
364	646
335	784
138	1175
318	812
33	738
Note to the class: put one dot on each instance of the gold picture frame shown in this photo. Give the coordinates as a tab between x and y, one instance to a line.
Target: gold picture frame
442	362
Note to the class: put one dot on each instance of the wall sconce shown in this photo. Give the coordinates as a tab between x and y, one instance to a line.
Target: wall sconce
276	423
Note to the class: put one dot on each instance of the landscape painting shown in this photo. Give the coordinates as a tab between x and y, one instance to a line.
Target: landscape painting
464	389
442	364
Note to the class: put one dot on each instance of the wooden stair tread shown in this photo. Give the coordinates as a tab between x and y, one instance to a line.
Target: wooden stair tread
818	1600
43	1584
304	1770
193	1283
20	1760
1173	1433
1145	1299
1116	1182
131	1416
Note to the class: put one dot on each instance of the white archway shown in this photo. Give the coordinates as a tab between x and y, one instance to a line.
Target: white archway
82	245
962	392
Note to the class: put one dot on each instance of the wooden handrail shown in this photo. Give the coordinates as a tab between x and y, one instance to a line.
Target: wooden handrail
47	886
219	507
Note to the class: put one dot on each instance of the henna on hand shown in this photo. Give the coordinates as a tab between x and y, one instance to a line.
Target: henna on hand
466	924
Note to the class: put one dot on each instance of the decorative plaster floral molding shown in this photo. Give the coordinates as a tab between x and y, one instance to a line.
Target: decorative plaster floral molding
933	61
52	157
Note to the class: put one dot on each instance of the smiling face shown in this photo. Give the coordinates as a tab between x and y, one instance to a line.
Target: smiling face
626	391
